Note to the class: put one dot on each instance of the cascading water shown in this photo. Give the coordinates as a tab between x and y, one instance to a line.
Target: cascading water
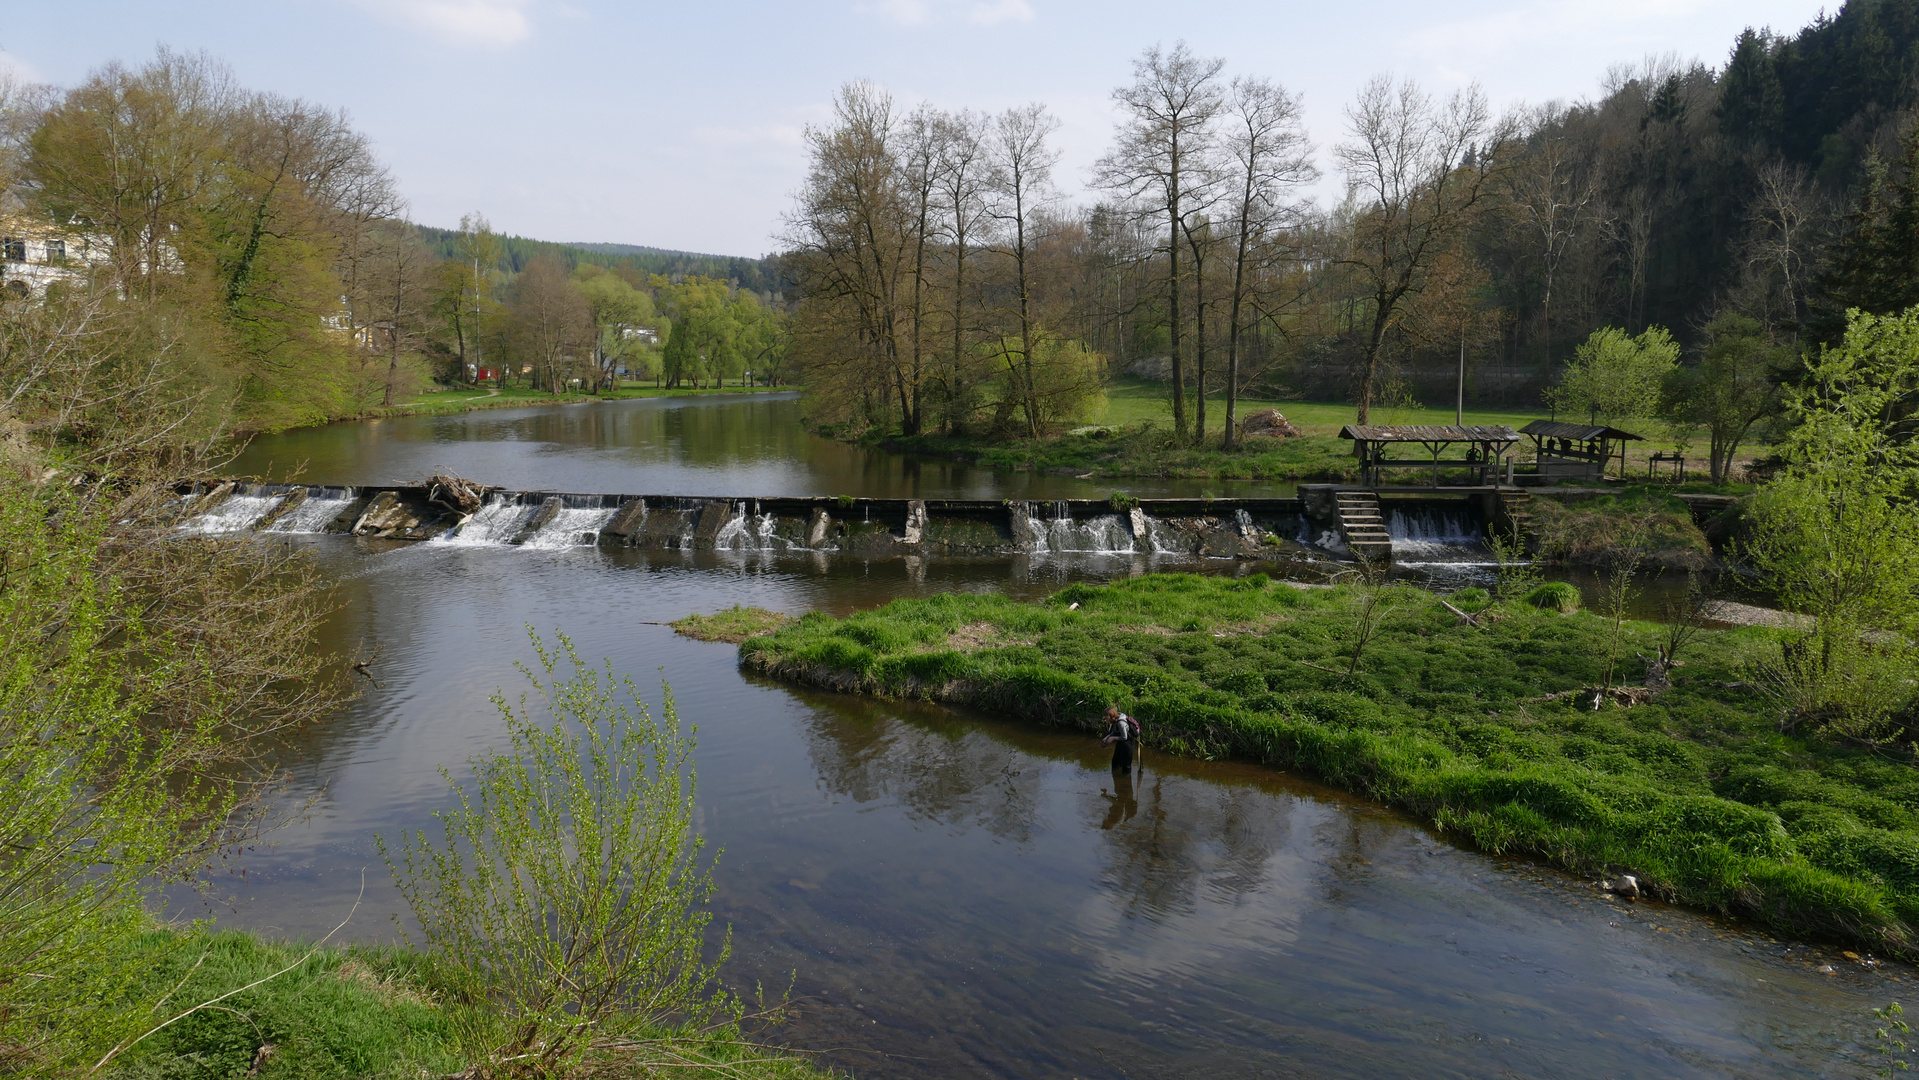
1107	534
748	532
572	526
319	509
1435	536
498	521
235	513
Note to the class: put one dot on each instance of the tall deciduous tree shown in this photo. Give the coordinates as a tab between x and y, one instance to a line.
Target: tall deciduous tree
1165	136
1270	155
1735	385
552	327
1416	170
1022	164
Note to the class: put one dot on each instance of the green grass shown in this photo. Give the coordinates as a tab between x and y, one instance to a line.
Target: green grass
1136	440
734	625
1696	792
343	1013
468	400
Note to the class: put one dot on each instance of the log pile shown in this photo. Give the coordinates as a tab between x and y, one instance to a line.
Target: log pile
459	496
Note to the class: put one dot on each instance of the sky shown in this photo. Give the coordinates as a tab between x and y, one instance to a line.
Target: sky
681	125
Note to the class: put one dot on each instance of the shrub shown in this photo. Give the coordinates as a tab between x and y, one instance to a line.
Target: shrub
1557	596
569	887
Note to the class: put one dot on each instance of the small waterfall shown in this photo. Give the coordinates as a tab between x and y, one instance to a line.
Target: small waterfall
1107	534
496	523
572	526
1436	536
746	531
235	513
322	505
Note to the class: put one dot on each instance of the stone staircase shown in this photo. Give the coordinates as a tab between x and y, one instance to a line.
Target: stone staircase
1515	516
1363	528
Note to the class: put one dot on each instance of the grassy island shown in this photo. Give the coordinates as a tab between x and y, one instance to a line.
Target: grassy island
1485	727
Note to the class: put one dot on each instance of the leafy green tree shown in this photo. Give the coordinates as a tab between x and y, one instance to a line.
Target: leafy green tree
1735	385
618	311
1837	537
1615	376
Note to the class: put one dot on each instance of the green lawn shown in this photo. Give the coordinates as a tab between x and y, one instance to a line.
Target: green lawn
1482	730
1135	401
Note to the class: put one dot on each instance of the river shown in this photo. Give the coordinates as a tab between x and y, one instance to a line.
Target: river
955	895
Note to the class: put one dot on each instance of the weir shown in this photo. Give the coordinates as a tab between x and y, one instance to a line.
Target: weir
1421	527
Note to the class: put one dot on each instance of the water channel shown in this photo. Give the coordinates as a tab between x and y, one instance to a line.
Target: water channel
958	895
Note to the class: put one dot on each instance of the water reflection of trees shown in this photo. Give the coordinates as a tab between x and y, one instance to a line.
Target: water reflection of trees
937	768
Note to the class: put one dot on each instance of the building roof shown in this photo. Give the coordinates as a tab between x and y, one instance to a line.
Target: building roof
1554	429
1429	433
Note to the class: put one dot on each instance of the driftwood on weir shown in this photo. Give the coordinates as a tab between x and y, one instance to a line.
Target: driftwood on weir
463	497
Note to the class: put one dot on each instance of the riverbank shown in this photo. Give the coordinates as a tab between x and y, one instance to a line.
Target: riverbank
363	1012
1486	731
449	402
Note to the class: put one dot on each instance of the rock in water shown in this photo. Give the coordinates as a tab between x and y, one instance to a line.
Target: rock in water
1269	424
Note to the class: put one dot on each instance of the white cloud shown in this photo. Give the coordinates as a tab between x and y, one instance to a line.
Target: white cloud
488	23
19	70
921	12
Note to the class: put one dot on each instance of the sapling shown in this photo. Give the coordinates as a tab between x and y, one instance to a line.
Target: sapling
569	886
1622	565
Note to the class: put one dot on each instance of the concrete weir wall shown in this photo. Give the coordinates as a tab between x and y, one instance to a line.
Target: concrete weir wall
1215	528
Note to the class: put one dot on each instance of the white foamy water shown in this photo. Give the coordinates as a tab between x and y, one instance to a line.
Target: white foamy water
572	527
498	521
1435	537
1108	534
235	513
748	532
314	514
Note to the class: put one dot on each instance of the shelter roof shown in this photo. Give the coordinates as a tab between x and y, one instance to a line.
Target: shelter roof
1429	433
1554	429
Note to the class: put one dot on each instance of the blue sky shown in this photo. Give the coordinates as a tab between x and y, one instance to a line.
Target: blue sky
679	125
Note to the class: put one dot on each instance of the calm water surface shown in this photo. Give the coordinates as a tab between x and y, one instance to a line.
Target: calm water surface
961	896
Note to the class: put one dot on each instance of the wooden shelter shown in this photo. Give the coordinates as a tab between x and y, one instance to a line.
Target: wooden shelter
1485	449
1576	451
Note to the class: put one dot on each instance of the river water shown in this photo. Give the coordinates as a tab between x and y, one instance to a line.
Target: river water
956	895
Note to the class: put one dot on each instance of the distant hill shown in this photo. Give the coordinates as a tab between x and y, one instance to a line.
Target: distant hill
754	275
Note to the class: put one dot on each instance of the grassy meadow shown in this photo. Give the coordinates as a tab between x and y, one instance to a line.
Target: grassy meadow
1131	434
1487	731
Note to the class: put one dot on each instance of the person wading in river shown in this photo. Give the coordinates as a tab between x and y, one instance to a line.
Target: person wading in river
1122	734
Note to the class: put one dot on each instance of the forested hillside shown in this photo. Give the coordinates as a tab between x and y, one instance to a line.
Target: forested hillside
1737	208
758	276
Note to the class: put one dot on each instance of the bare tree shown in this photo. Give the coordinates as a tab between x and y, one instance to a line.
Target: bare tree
1022	182
1270	155
965	181
399	278
1549	202
1417	170
1163	140
1784	222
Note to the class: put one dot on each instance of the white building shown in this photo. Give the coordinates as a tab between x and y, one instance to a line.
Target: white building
35	253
